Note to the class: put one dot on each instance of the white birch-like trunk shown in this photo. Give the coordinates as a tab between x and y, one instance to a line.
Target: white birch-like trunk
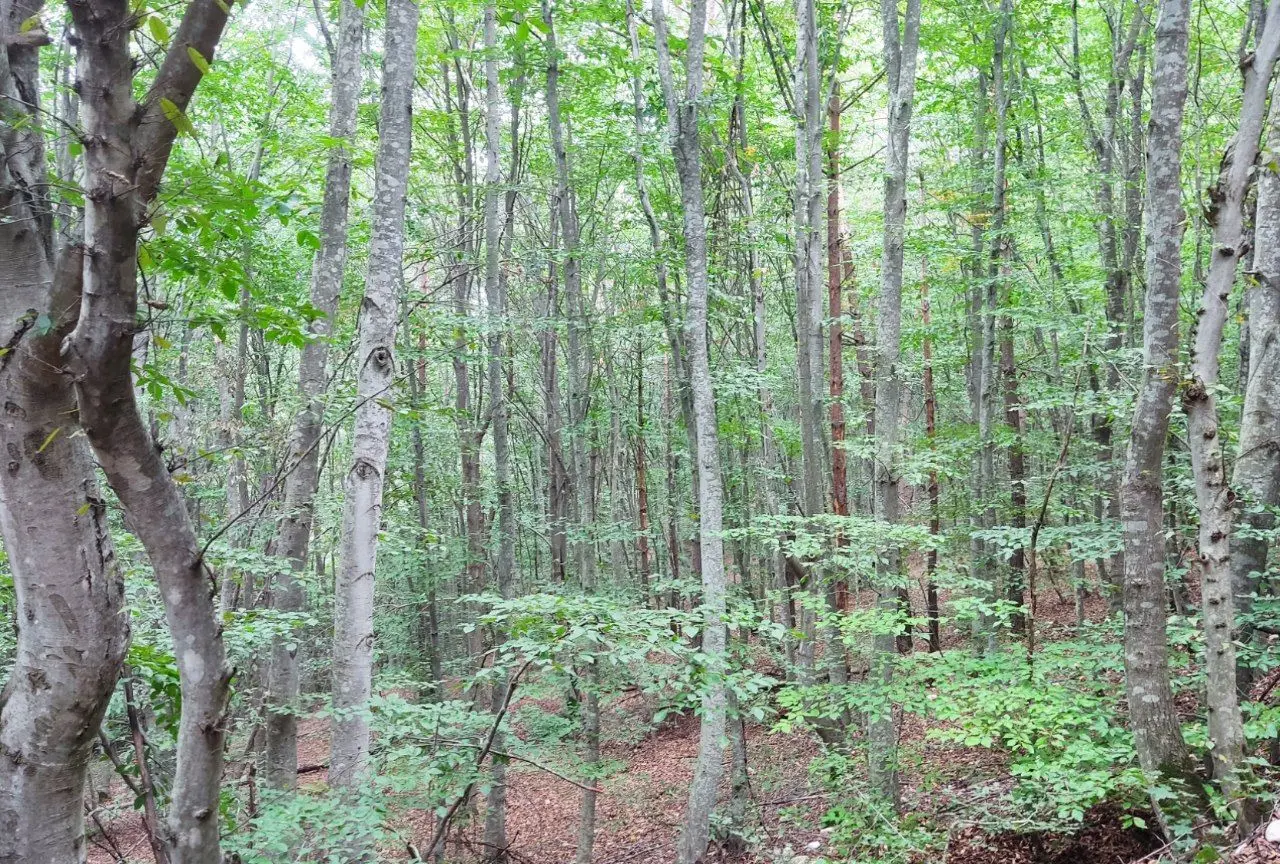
375	370
293	533
682	125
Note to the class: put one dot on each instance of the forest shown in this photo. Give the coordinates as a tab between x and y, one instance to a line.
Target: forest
625	431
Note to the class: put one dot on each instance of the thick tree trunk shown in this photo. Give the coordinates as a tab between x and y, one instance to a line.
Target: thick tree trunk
900	50
127	146
1214	498
807	219
293	533
71	635
371	435
1153	716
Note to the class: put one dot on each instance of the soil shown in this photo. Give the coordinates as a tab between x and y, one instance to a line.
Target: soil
642	801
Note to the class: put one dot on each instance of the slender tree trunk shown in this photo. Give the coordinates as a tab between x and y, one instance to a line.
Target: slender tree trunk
835	337
642	481
429	617
293	533
1214	498
1256	477
1000	252
557	481
900	50
682	122
371	436
931	432
495	830
768	460
1157	733
469	435
1013	417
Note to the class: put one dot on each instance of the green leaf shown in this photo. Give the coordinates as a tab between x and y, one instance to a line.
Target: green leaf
176	116
30	24
197	59
158	30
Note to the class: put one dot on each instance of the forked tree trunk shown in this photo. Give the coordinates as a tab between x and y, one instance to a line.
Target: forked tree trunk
293	533
71	636
900	50
371	436
1214	498
1153	717
682	124
126	149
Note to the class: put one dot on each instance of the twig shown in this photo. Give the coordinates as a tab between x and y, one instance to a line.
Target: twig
584	787
150	819
108	749
443	825
1032	563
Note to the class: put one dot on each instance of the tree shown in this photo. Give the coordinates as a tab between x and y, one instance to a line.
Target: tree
1214	498
901	44
1161	748
682	128
379	313
293	533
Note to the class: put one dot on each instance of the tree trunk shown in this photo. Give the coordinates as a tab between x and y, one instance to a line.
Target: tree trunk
495	829
293	533
127	147
835	336
931	432
71	635
371	435
1153	716
900	49
1256	477
682	123
1214	498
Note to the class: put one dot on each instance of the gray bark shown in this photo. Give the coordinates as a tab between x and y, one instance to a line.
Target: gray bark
495	830
293	533
375	365
807	217
682	124
126	149
900	51
71	635
581	488
1214	498
1256	476
1161	748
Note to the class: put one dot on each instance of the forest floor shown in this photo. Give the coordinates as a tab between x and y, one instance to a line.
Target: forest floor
642	797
